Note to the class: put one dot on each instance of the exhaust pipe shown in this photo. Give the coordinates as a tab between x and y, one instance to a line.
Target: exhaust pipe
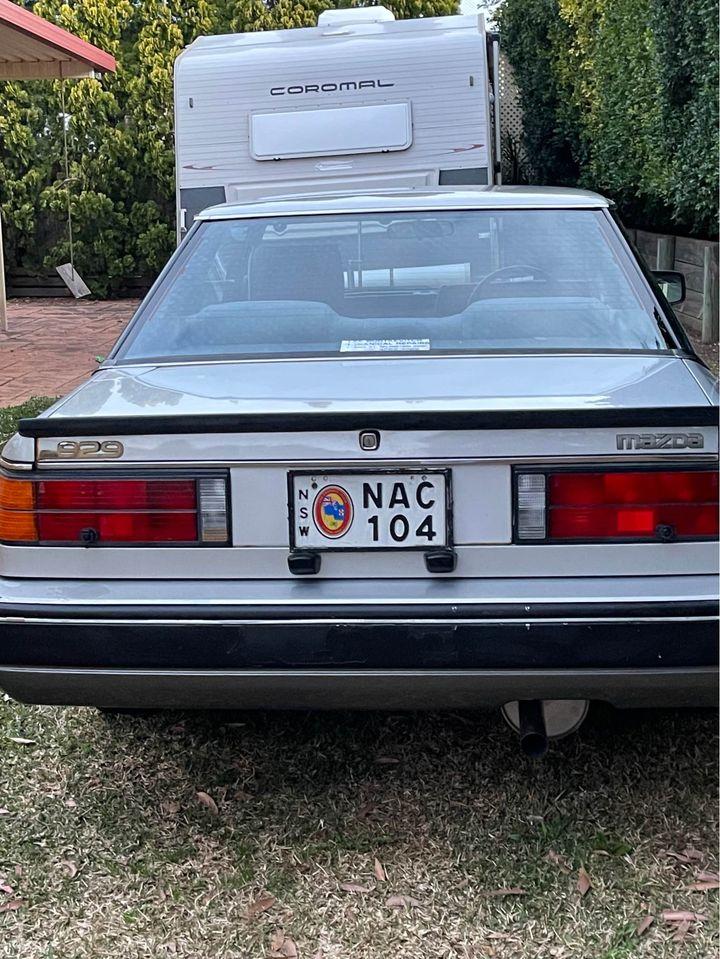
533	734
536	721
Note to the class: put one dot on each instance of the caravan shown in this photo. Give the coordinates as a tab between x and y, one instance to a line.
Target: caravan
359	102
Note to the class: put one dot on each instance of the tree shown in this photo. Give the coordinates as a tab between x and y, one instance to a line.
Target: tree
120	132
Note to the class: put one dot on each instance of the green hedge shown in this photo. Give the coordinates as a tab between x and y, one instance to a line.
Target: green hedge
120	131
621	96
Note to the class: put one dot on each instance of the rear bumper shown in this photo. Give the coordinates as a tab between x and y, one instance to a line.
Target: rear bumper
356	689
443	645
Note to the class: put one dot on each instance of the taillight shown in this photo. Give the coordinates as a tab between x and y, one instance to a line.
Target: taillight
650	505
101	511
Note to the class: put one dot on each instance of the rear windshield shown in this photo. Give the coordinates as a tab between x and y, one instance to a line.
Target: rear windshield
391	283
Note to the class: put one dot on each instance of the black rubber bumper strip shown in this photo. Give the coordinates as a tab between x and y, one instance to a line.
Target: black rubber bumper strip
292	422
396	645
339	612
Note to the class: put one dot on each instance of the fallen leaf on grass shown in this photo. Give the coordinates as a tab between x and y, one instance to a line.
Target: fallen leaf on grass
354	887
69	868
557	860
8	890
261	904
379	871
401	902
4	812
21	741
686	856
584	883
169	807
11	905
682	915
71	804
277	939
682	930
282	946
387	760
509	891
206	800
644	924
704	886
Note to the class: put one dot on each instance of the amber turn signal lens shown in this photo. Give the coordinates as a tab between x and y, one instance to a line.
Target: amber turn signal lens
16	494
17	519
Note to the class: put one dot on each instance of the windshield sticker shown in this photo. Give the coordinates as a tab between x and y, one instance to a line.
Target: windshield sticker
384	346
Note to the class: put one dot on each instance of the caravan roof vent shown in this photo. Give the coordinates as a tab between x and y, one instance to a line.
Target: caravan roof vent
337	18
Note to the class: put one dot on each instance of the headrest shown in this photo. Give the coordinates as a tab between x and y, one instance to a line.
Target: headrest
296	271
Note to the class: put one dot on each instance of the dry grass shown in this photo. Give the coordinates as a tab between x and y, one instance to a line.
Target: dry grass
111	854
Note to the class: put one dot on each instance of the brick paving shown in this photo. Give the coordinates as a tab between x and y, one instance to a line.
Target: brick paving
52	344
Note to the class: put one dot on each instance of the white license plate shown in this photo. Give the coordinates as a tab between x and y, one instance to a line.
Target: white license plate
370	510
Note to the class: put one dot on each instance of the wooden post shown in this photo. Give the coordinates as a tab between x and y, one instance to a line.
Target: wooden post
665	259
710	306
3	298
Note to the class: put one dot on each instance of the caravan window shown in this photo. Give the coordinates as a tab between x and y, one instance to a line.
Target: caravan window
436	282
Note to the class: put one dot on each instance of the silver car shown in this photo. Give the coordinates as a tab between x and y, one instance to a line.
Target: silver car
398	450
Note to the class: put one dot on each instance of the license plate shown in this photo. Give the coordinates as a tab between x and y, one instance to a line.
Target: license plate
370	510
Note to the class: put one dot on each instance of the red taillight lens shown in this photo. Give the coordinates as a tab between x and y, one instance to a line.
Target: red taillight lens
667	504
107	511
158	527
615	489
116	494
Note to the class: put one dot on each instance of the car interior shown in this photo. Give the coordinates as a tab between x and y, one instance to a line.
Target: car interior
460	281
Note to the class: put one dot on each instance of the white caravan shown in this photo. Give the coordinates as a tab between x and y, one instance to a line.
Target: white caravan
358	102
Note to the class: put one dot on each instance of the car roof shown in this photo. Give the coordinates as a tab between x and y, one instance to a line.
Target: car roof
436	200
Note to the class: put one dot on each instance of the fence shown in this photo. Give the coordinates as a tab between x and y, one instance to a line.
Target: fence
697	260
22	283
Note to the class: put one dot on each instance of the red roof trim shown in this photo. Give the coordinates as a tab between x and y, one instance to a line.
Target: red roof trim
33	26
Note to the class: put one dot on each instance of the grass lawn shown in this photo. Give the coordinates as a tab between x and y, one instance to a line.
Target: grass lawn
353	836
111	847
10	415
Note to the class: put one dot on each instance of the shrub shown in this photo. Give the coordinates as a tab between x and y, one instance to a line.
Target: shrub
621	96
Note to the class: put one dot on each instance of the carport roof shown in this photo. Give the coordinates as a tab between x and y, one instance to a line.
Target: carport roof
32	48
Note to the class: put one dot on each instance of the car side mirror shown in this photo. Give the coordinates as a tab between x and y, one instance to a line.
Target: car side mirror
672	284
